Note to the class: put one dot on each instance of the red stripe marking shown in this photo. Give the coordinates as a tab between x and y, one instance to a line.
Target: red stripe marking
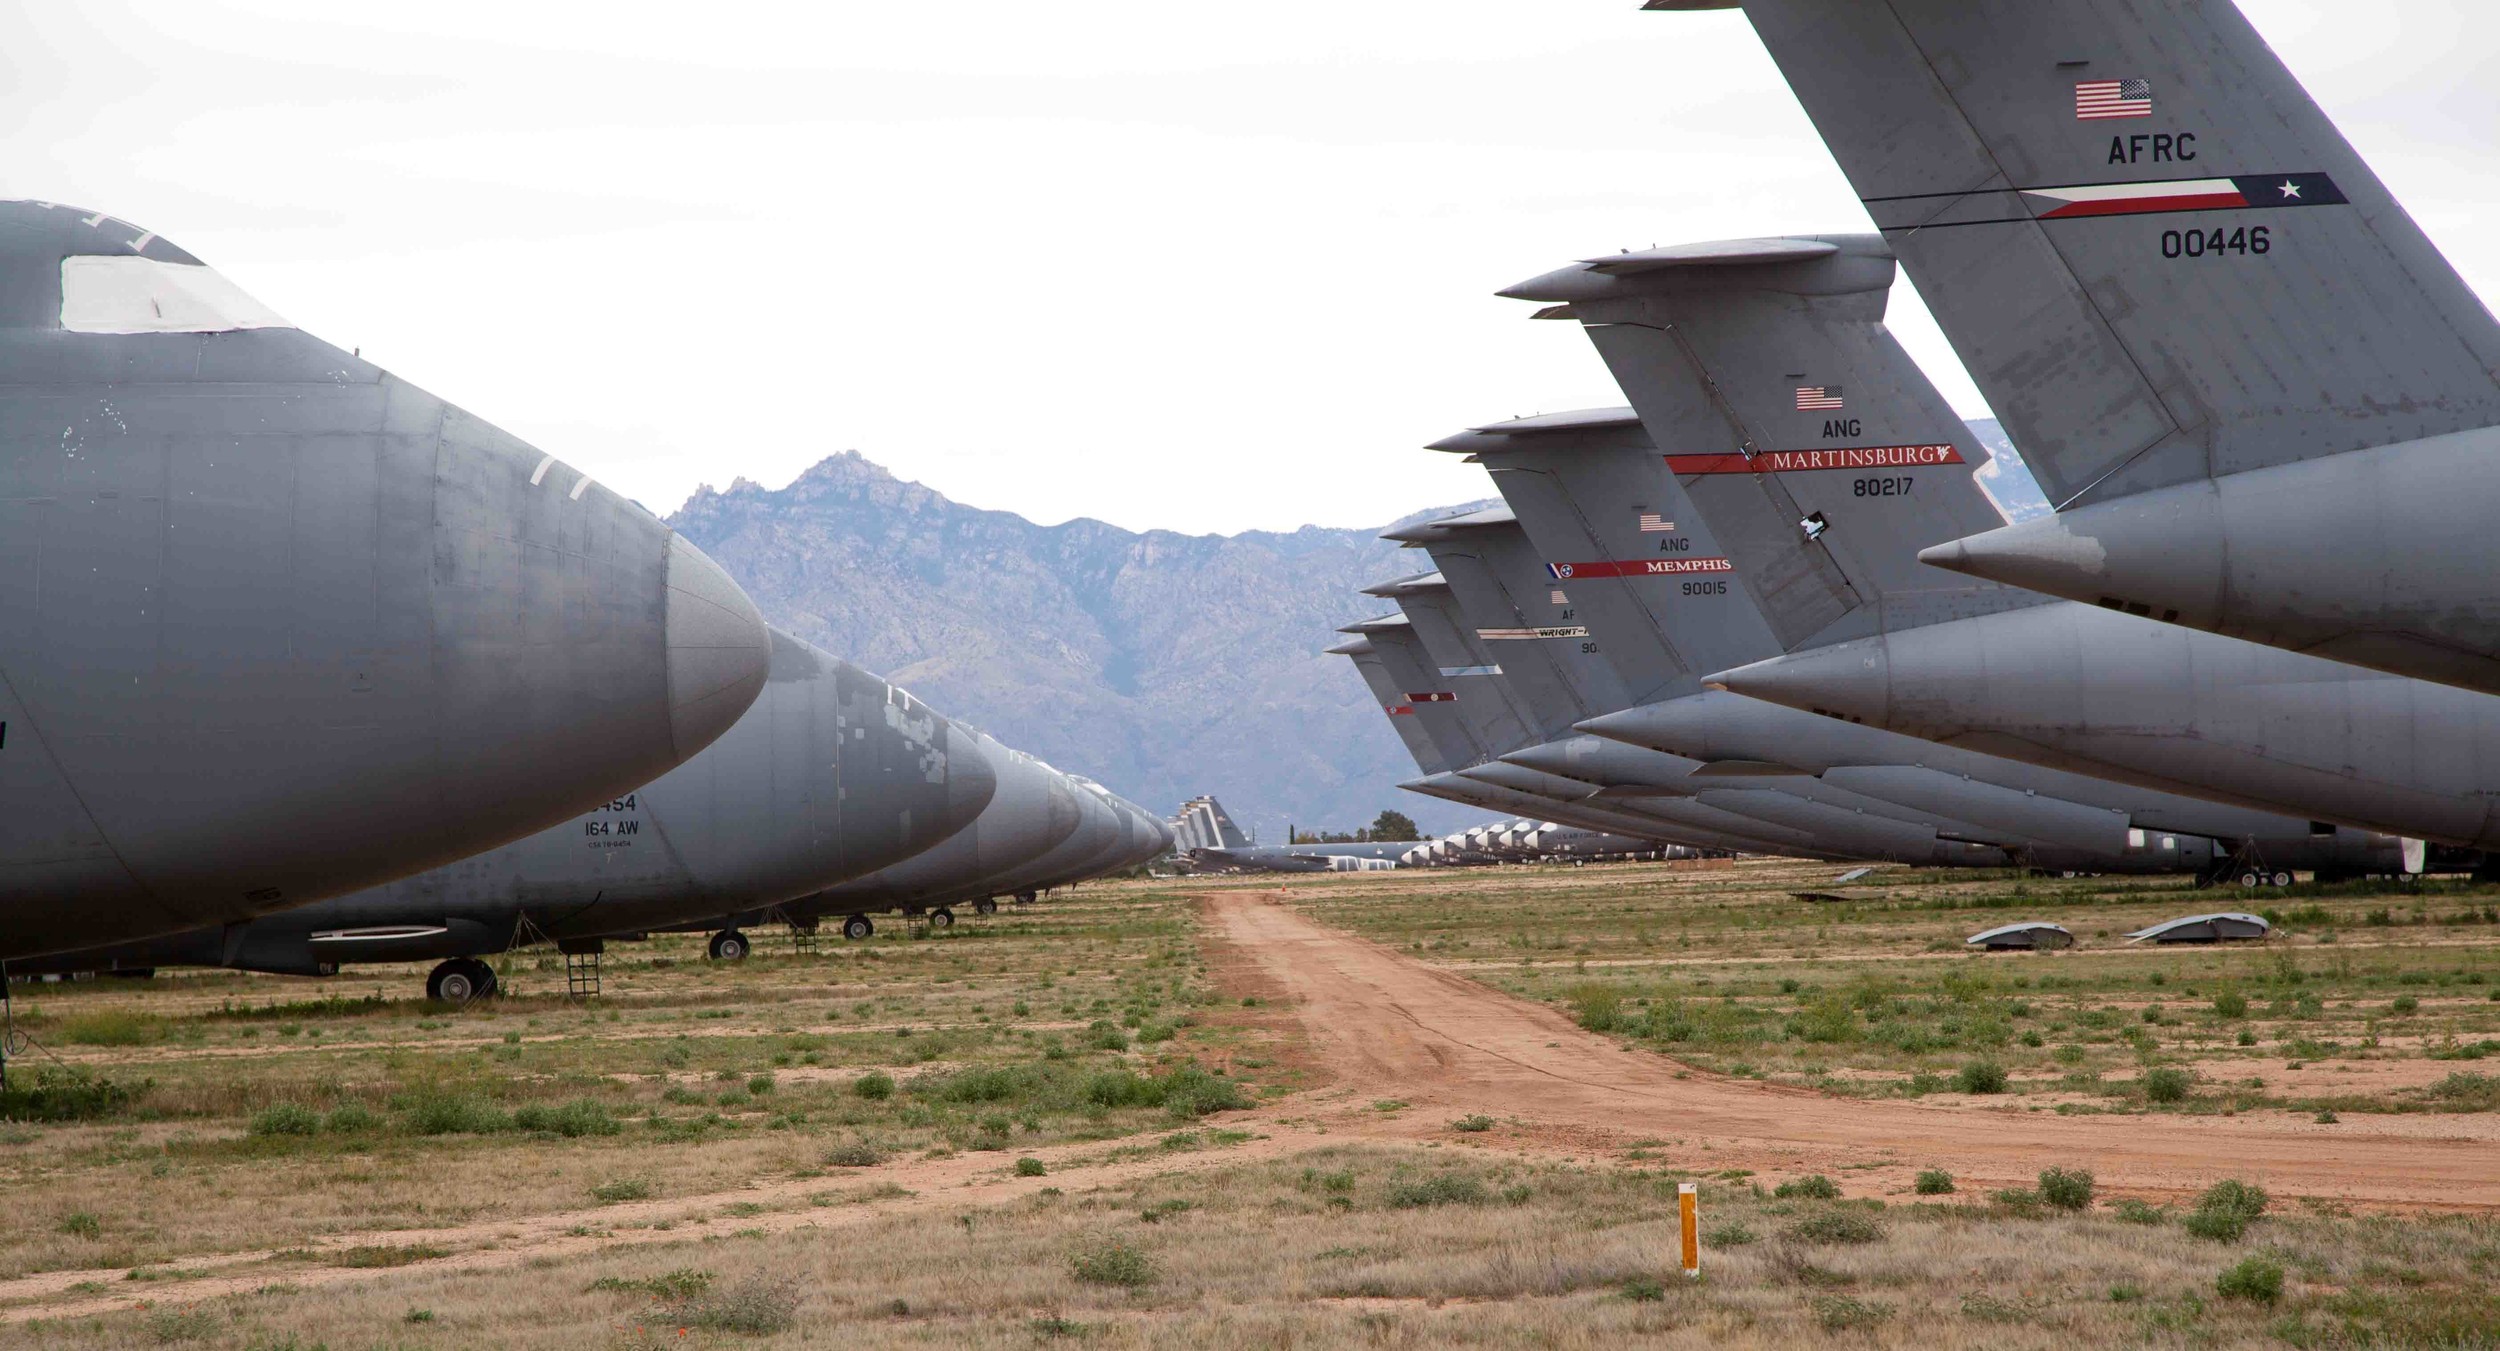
2136	206
1793	461
1641	567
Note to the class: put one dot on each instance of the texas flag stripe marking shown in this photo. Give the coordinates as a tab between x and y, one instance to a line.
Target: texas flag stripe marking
2185	194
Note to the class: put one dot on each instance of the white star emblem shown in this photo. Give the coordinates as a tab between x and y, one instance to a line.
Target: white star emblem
2290	188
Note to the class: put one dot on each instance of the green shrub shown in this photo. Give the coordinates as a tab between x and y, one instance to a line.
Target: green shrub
51	1093
454	1114
621	1189
1840	1313
112	1027
1473	1124
1644	1290
81	1224
2226	1209
1812	1187
2167	1084
285	1118
1029	1167
875	1085
682	1284
1933	1182
2231	1004
2404	1003
1730	1235
1441	1189
572	1120
2253	1279
2137	1212
2066	1188
1110	1261
1597	1007
1980	1076
856	1154
760	1084
352	1118
1837	1224
1103	1035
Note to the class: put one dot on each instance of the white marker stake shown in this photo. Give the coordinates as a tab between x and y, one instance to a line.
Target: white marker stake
1688	1206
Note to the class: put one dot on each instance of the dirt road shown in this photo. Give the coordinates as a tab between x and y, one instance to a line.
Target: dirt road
1391	1027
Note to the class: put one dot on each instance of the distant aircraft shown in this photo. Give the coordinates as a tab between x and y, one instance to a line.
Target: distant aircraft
276	625
832	773
1234	850
2261	401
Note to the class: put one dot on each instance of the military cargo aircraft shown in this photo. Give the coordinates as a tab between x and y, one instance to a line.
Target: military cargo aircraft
1822	511
832	773
276	625
2261	401
1229	848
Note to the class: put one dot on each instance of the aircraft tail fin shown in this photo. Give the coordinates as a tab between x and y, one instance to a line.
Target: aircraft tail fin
2156	255
1203	825
1806	457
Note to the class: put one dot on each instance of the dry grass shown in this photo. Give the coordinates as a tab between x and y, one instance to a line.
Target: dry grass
2367	1000
1263	1256
596	1155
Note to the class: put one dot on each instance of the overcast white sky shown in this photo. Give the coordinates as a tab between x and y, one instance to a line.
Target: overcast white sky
1191	266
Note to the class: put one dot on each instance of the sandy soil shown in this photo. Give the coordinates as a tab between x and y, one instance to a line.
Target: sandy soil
1379	1025
1398	1028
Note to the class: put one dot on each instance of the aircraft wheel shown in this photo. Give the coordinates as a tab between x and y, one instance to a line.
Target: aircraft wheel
941	918
729	945
2282	879
488	983
987	905
1025	897
857	927
2252	878
453	982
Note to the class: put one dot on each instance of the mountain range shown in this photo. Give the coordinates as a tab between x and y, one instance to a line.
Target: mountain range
1163	664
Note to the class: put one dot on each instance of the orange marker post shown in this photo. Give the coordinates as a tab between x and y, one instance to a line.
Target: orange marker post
1688	1207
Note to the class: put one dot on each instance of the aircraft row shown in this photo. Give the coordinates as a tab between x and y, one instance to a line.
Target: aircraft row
302	666
1767	605
1207	841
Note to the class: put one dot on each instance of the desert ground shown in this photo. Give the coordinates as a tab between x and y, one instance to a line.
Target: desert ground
1402	1109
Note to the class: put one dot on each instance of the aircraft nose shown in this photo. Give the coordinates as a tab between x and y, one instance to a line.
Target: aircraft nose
718	650
971	780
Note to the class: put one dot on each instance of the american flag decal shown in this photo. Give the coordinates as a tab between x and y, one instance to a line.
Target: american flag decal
2097	100
1817	398
1652	523
1400	710
1432	697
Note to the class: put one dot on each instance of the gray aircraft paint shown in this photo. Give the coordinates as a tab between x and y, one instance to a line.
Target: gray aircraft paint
1033	812
1555	469
1845	827
832	772
1476	590
2261	400
276	625
1731	285
1393	703
1399	661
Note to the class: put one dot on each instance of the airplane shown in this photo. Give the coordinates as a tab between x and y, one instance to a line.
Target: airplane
1232	849
1835	819
2262	402
276	625
1824	511
832	773
1458	715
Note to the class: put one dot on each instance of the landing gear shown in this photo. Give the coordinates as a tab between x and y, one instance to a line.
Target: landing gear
857	927
2281	878
460	980
1026	897
729	945
941	918
2252	878
987	905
